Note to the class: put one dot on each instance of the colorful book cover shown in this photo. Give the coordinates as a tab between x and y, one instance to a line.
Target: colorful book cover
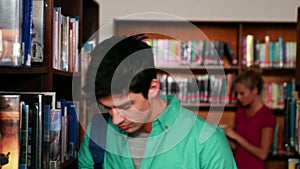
9	131
55	140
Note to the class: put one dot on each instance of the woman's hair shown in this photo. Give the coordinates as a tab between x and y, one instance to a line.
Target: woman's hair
251	78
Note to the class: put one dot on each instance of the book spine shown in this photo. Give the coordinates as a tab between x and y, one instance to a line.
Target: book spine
37	47
26	32
24	136
72	111
46	136
55	140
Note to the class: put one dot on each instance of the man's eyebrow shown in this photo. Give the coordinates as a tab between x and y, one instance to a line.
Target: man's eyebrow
129	102
118	106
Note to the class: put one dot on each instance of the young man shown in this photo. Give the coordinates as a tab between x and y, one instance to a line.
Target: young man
145	130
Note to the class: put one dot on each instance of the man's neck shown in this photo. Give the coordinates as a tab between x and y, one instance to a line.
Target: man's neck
158	105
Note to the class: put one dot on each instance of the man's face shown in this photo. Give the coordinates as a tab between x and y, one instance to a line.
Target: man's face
129	111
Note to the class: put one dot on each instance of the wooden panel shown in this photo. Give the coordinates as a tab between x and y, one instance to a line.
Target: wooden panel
276	164
90	24
274	30
219	118
298	50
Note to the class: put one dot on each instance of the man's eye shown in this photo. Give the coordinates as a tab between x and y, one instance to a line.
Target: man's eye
125	107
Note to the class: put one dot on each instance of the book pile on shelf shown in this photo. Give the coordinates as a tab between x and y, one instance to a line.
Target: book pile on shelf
22	36
65	41
268	53
287	139
200	89
37	130
21	33
273	93
169	52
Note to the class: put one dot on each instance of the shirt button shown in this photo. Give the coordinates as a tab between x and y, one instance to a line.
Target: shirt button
166	127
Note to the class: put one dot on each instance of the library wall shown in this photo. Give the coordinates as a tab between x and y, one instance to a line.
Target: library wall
219	10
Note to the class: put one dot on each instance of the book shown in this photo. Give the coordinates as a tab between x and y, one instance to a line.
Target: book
249	50
230	54
24	135
65	43
26	32
73	108
292	162
55	140
38	23
61	105
287	127
46	136
10	35
9	130
267	54
57	37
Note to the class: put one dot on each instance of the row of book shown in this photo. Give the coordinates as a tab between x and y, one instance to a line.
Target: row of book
65	41
268	53
22	36
286	138
37	130
201	89
273	93
220	89
21	33
170	52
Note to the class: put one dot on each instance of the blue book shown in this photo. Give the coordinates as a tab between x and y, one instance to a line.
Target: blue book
72	108
46	136
26	32
24	136
281	52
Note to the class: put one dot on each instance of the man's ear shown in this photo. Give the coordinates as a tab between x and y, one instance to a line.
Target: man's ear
154	88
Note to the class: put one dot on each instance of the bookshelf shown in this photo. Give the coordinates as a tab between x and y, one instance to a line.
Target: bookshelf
43	77
231	32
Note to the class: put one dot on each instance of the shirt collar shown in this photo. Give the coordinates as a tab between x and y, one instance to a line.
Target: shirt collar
166	119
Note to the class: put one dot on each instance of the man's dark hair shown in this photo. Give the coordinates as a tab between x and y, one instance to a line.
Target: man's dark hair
121	64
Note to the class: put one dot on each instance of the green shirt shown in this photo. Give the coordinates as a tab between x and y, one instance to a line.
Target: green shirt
179	139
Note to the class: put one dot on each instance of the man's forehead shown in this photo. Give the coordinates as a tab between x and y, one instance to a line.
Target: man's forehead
114	100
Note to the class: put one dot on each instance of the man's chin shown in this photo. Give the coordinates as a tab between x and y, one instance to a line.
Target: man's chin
129	130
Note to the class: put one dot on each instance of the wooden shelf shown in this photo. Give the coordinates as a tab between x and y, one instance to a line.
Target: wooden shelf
67	74
70	164
20	70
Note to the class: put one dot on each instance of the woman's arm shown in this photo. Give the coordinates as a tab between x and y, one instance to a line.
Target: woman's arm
261	151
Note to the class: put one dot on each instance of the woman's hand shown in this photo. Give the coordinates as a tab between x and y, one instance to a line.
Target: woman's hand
231	133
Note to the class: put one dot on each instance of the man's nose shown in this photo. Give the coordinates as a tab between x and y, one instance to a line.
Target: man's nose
117	118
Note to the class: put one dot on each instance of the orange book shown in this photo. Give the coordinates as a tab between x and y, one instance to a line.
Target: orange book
267	57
